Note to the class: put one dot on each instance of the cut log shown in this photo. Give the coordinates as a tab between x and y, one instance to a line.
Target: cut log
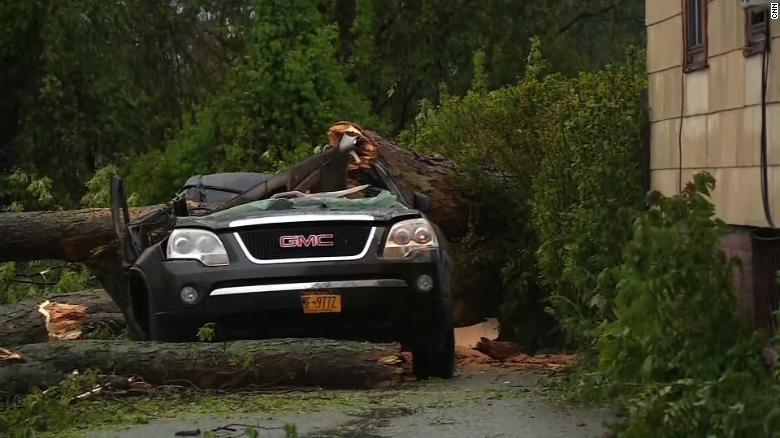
499	350
70	235
278	362
23	323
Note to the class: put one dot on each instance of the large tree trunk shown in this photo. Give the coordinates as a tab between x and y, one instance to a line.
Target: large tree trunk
277	362
84	235
435	177
88	235
70	235
69	316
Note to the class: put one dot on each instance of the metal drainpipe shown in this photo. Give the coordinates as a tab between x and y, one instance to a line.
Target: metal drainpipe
764	146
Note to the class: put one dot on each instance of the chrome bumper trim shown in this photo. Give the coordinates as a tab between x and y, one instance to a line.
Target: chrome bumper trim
301	218
260	288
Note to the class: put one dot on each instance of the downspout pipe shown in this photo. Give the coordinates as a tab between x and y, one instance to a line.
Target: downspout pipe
764	143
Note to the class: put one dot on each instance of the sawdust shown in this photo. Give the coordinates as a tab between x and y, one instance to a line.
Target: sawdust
469	359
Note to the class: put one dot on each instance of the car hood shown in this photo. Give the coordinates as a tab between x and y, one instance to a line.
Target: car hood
384	207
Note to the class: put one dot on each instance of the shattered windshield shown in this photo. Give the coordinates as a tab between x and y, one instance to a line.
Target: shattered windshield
317	201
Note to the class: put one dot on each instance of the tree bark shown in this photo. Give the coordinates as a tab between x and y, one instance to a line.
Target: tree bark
277	362
435	177
70	235
23	323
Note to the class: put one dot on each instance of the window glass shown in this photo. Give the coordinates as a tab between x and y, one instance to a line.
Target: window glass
695	34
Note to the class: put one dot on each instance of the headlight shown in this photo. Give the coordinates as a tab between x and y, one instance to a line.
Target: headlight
407	236
197	245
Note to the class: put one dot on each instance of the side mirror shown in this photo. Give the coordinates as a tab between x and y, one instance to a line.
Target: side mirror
422	202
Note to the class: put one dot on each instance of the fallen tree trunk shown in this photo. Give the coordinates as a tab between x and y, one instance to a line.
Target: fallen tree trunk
88	235
277	362
70	235
24	323
83	235
435	177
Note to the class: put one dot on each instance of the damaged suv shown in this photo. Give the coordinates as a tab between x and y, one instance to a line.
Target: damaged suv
298	254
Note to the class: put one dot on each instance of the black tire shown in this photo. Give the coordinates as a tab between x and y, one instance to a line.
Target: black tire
440	362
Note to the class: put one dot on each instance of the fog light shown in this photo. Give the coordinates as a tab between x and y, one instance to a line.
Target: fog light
424	283
189	295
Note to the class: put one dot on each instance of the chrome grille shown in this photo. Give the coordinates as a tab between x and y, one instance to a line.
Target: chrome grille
300	241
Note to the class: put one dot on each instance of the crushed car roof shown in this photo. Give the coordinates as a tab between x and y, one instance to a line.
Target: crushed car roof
383	206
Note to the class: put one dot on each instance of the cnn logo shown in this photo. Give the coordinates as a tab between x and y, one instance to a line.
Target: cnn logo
774	10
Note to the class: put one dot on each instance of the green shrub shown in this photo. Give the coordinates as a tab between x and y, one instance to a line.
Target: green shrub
587	189
552	165
495	137
674	293
738	403
685	363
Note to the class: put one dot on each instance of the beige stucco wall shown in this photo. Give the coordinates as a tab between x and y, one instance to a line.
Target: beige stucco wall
720	108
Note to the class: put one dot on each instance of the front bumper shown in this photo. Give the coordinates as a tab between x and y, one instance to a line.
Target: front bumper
249	300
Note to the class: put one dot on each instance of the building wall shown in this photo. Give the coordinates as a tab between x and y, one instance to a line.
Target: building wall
738	242
720	109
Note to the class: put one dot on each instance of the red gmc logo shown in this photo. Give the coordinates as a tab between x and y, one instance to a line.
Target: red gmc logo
306	241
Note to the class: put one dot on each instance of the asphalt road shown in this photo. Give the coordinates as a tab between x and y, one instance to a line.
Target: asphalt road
487	402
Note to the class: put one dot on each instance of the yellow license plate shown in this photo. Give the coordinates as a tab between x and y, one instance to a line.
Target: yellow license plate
320	302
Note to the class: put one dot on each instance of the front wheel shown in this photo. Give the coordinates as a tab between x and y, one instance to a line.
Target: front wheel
435	362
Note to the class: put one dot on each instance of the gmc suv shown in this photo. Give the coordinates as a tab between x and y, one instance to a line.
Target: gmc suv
361	263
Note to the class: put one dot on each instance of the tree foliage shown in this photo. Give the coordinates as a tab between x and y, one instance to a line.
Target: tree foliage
587	190
676	351
545	228
93	83
402	51
274	105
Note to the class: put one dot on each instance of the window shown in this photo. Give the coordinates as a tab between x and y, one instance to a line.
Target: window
756	30
695	22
